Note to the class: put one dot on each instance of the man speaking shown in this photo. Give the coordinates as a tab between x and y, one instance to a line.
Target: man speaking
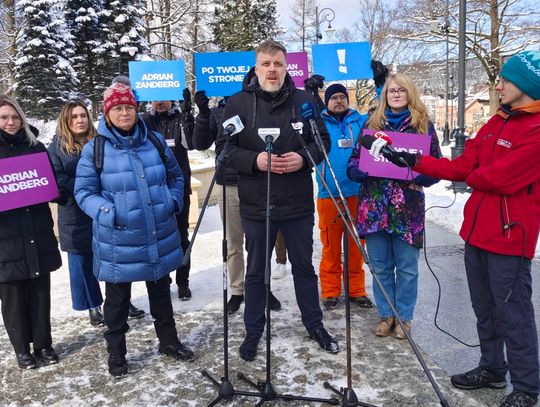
269	100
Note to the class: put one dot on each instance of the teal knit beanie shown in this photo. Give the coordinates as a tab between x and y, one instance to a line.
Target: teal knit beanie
523	70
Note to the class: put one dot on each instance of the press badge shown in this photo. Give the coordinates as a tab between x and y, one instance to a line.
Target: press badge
345	143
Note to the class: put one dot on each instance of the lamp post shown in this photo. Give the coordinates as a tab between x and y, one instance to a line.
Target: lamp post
446	30
326	14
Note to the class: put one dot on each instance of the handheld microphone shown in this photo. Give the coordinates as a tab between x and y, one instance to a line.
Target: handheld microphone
232	126
387	151
308	112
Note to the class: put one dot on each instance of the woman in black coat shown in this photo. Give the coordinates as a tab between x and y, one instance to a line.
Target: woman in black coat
74	130
28	253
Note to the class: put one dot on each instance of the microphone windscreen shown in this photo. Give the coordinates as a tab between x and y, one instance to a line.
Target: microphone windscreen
308	111
367	140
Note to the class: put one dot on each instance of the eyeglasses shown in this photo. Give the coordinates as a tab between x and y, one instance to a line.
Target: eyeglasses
14	119
393	92
121	109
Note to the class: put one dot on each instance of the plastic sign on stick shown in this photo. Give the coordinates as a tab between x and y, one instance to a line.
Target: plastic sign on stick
343	61
157	80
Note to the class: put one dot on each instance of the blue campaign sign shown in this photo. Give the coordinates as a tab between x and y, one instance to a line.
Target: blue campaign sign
222	73
336	62
157	80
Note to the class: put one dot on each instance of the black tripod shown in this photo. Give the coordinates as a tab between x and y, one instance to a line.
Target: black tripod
349	398
266	389
226	388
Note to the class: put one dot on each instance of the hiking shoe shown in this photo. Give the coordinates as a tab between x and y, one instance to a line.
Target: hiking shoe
178	351
234	303
329	303
96	317
45	356
279	271
398	331
134	312
519	399
363	302
478	378
325	340
275	305
117	365
385	326
184	293
248	349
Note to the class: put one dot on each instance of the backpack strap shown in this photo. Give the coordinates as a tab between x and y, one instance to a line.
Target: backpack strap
99	148
161	150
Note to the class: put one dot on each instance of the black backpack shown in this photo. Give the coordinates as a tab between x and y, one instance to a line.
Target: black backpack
99	148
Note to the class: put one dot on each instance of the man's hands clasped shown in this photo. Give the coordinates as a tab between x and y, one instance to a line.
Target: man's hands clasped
280	164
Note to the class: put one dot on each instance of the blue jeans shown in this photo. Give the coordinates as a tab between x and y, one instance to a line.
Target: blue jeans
85	291
395	263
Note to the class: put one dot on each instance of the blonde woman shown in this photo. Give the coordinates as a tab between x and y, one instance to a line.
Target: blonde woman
28	253
74	130
391	212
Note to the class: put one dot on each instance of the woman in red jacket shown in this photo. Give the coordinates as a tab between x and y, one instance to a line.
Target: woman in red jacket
500	229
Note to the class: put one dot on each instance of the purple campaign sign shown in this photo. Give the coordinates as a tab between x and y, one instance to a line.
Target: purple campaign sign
297	66
381	167
26	180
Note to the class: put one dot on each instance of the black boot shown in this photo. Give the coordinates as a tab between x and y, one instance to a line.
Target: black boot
325	340
25	360
248	349
96	317
275	305
234	303
178	351
45	356
184	293
134	312
117	365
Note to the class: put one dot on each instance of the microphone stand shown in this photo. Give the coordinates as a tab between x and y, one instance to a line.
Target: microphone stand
226	388
348	393
266	389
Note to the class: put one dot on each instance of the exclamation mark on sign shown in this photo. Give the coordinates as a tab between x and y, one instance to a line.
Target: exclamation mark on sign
341	59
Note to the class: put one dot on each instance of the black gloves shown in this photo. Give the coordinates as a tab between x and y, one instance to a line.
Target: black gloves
186	106
356	174
403	159
202	101
313	84
380	72
64	196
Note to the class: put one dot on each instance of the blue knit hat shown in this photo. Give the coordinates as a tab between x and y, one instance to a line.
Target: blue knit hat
523	70
333	89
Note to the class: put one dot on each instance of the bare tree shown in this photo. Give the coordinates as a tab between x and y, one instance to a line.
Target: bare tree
8	35
302	14
495	29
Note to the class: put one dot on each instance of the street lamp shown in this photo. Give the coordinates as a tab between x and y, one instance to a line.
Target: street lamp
326	14
446	29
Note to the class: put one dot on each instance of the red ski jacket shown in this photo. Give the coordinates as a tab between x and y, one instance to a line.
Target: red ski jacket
502	165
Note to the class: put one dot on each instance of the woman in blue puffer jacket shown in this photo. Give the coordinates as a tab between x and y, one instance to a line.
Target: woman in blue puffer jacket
132	198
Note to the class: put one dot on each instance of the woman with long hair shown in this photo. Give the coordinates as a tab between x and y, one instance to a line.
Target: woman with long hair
75	129
28	253
132	194
391	211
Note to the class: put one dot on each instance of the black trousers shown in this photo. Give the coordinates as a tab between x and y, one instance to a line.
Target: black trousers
116	309
298	235
26	309
512	325
182	220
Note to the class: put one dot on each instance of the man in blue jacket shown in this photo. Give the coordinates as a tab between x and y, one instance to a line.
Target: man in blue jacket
344	125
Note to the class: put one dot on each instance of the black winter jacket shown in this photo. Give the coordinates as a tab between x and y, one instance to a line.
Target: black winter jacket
178	126
28	247
74	226
291	194
205	133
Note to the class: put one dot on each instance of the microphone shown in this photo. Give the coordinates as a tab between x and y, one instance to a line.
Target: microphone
387	151
308	112
232	126
269	134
